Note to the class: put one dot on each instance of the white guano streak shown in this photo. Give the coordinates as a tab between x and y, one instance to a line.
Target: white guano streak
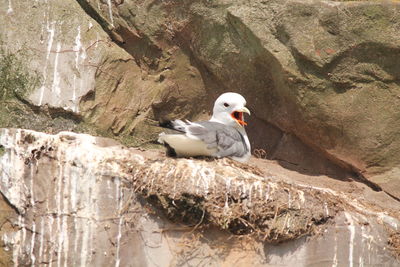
361	260
16	244
10	9
33	258
52	239
118	199
110	12
352	236
51	32
335	260
41	239
58	205
56	76
77	48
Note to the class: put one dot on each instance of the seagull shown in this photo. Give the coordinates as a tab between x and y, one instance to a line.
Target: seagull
221	136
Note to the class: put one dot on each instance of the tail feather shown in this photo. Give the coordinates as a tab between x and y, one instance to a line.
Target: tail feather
167	124
177	125
170	151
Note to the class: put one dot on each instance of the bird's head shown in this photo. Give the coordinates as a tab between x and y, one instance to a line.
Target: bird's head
229	109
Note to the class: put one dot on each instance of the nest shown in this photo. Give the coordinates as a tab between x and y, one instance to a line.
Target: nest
231	197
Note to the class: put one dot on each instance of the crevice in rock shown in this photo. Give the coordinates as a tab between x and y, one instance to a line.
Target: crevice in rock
392	196
91	11
52	112
9	203
140	47
360	178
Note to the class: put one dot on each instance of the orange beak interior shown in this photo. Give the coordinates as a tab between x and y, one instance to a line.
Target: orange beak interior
238	116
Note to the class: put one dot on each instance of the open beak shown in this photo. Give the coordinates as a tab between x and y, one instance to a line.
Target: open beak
237	115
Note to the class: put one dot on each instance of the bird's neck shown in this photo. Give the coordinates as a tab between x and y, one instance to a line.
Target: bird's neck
227	122
215	119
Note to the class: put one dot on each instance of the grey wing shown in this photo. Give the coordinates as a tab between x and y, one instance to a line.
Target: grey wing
228	140
205	131
231	143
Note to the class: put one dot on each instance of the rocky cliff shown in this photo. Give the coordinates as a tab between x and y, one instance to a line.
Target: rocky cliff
320	77
80	200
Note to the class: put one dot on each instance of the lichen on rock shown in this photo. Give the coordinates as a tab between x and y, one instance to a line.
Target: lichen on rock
16	79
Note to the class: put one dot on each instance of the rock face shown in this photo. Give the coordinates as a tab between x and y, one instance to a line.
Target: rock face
83	71
321	79
317	74
326	72
81	200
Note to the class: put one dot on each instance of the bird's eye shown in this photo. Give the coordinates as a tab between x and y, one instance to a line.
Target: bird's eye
226	104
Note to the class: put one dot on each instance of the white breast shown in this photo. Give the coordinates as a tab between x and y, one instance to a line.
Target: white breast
187	147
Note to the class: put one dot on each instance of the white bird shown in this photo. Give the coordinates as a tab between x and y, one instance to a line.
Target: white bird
222	136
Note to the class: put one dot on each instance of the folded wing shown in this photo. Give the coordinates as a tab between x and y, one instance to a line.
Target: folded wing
205	138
